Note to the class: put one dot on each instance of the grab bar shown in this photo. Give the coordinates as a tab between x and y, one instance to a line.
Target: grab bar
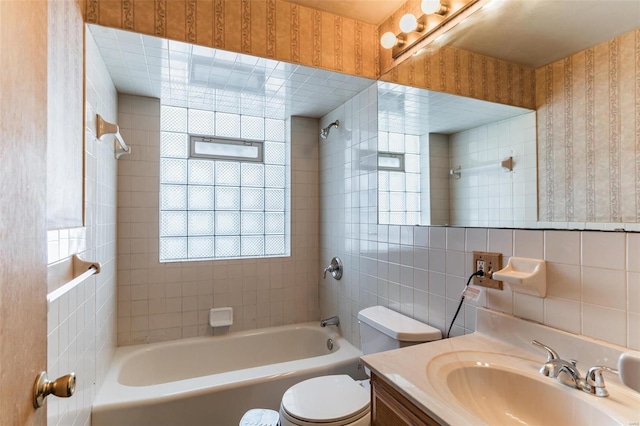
105	128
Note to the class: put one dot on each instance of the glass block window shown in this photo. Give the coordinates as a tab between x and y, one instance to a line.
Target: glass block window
224	186
399	179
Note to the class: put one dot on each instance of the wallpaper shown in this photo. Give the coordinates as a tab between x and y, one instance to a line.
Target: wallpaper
589	134
461	72
266	28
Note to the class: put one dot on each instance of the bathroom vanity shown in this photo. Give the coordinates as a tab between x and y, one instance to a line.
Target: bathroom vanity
497	376
389	407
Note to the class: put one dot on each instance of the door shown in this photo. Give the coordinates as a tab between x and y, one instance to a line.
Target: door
23	254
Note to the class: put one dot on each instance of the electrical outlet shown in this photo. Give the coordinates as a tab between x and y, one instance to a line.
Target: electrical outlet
489	263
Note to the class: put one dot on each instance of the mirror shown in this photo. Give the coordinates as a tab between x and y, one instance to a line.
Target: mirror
583	57
459	161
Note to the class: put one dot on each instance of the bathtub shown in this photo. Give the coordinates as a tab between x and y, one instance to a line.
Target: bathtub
214	380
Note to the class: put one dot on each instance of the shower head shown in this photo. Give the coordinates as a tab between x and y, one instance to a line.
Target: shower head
325	132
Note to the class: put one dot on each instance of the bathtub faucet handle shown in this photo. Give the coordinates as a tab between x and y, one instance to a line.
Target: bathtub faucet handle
334	268
330	321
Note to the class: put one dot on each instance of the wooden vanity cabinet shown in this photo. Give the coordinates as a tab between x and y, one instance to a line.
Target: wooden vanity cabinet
390	408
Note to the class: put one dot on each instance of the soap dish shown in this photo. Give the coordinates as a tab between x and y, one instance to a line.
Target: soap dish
523	275
221	317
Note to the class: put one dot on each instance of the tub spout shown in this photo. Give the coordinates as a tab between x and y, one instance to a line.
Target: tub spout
330	321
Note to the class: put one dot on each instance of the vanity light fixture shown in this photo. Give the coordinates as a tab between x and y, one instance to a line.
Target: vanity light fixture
409	23
390	40
433	7
437	17
414	29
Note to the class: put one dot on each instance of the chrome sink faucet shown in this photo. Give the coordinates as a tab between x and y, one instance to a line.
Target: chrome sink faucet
330	321
567	373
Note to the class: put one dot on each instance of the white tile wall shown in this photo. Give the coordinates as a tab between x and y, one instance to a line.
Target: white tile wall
82	323
493	197
421	271
164	301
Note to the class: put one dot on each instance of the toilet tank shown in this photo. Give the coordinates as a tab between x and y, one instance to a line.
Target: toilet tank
382	329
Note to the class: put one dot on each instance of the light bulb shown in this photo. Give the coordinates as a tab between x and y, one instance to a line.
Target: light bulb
429	7
408	23
388	40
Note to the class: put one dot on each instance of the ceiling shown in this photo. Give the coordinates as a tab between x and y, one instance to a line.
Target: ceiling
408	110
370	11
538	32
181	74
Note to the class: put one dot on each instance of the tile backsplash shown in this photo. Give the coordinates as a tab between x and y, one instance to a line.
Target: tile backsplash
421	271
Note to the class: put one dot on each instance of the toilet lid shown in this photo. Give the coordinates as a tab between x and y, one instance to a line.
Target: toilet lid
326	399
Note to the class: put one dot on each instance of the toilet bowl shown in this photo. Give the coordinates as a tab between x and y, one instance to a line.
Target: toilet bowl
336	400
339	400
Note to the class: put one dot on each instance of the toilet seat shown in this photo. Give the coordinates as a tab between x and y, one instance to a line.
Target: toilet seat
328	400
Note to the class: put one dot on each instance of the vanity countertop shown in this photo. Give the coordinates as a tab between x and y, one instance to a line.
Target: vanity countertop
420	372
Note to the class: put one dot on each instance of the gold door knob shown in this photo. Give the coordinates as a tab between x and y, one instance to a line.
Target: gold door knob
62	387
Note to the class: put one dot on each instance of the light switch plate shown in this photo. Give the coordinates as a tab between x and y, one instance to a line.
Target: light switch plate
491	262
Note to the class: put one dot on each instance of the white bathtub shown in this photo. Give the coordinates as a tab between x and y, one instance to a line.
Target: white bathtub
214	380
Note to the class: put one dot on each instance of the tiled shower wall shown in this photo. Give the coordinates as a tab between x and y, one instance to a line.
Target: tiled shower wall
82	322
421	271
165	301
348	206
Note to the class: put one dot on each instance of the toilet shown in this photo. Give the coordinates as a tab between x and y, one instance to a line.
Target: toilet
339	400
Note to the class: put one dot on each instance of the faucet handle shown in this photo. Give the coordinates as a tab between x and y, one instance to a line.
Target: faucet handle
551	354
594	375
334	268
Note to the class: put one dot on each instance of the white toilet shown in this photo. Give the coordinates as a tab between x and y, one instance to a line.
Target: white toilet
339	400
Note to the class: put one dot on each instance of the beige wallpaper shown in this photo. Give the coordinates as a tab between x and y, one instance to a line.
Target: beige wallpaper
589	134
461	72
266	28
65	74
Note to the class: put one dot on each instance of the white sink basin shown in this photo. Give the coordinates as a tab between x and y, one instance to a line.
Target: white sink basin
506	390
507	398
